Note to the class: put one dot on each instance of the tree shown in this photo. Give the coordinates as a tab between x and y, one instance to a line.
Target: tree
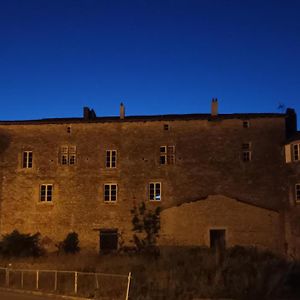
70	244
146	227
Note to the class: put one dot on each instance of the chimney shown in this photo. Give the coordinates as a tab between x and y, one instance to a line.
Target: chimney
86	113
122	111
214	107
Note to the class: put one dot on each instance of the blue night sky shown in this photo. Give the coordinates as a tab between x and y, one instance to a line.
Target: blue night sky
158	57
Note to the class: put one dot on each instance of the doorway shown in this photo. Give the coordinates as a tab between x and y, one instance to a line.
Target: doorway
108	240
217	239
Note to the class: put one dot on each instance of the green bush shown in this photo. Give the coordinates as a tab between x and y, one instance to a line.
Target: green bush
70	244
16	244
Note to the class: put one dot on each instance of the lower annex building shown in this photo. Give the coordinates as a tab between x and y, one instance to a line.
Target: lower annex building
229	177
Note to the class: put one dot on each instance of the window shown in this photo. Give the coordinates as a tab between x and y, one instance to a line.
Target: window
111	159
166	127
27	159
167	155
68	155
246	124
110	192
246	148
297	192
46	192
296	152
154	191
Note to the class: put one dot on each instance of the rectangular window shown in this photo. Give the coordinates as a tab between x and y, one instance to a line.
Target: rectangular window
297	192
246	154
296	152
154	191
167	155
46	192
68	155
111	158
27	159
110	192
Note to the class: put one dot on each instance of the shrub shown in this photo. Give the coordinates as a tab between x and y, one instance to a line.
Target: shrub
16	244
70	244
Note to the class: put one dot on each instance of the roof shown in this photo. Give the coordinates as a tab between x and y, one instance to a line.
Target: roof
294	137
146	118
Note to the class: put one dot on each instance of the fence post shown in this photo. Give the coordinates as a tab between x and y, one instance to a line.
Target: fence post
55	280
37	279
22	279
7	277
75	282
128	285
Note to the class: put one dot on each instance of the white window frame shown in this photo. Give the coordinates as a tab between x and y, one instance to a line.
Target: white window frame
154	198
246	152
27	161
296	151
68	155
109	163
167	155
297	193
109	199
48	193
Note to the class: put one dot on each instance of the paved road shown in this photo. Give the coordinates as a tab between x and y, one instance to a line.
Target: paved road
20	296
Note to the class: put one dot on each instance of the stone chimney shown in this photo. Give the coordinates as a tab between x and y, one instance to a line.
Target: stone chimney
86	113
122	111
214	107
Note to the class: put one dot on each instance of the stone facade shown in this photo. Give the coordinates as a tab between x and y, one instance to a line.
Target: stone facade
208	160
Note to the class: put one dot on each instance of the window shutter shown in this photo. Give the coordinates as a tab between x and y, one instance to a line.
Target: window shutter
288	155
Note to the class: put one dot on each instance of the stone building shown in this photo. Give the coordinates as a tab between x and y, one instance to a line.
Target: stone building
233	178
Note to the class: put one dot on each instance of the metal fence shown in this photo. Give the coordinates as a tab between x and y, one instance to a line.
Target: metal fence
72	283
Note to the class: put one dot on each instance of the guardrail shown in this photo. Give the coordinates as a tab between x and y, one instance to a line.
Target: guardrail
71	283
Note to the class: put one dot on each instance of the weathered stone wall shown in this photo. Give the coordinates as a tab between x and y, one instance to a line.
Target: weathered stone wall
190	223
208	161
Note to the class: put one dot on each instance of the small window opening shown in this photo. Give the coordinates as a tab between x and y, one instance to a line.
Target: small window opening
296	152
68	155
69	129
154	191
111	158
27	160
46	192
166	127
246	152
167	155
110	192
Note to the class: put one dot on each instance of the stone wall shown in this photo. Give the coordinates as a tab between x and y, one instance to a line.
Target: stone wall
208	161
247	225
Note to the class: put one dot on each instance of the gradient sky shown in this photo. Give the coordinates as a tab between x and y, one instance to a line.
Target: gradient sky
158	57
